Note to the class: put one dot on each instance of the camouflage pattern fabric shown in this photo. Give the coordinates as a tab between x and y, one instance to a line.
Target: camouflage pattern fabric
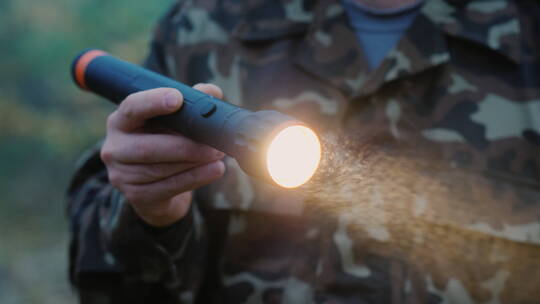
429	190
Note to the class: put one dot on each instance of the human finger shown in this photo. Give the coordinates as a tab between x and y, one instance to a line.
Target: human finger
157	148
137	108
176	184
136	174
210	89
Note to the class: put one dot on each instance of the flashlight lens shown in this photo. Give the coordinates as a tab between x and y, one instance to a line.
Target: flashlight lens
293	156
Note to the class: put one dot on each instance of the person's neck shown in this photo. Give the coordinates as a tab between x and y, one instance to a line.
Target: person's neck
386	4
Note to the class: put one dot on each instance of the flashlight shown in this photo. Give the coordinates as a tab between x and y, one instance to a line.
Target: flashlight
266	144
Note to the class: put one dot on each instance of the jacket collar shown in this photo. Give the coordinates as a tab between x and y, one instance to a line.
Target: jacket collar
492	24
330	50
266	20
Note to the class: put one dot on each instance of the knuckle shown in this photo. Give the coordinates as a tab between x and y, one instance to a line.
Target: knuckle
126	111
115	178
131	98
111	120
106	154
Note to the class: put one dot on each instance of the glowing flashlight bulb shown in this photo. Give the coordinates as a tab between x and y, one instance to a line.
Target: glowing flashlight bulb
293	156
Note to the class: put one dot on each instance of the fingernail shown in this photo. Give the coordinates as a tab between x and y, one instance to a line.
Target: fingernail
219	167
198	86
171	100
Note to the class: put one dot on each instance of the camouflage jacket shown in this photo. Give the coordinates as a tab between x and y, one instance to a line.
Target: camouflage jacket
429	190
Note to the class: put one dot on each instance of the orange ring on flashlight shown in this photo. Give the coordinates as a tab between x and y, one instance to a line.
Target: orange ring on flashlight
82	64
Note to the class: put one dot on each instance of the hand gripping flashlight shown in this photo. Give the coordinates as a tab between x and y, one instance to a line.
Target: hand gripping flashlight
266	144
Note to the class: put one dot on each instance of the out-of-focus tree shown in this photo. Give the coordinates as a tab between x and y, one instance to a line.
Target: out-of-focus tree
46	123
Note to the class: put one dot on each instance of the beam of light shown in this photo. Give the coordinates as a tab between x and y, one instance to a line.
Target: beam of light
293	156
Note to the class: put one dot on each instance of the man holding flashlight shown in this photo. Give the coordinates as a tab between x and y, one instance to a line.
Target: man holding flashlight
156	172
139	237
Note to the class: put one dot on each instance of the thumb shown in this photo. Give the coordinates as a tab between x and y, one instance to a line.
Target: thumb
141	106
210	89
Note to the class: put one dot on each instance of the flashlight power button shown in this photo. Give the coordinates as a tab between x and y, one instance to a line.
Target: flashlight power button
208	110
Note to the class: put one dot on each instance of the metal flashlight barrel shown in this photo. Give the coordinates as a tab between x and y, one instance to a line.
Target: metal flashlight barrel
240	133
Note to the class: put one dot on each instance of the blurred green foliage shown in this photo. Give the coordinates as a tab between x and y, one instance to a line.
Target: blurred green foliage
45	125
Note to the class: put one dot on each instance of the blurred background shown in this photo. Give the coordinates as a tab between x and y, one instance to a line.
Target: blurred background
46	123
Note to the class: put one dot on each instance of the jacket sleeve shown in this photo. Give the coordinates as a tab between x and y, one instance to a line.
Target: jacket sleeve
116	257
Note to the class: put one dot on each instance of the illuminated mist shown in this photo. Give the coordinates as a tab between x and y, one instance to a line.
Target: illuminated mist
446	221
